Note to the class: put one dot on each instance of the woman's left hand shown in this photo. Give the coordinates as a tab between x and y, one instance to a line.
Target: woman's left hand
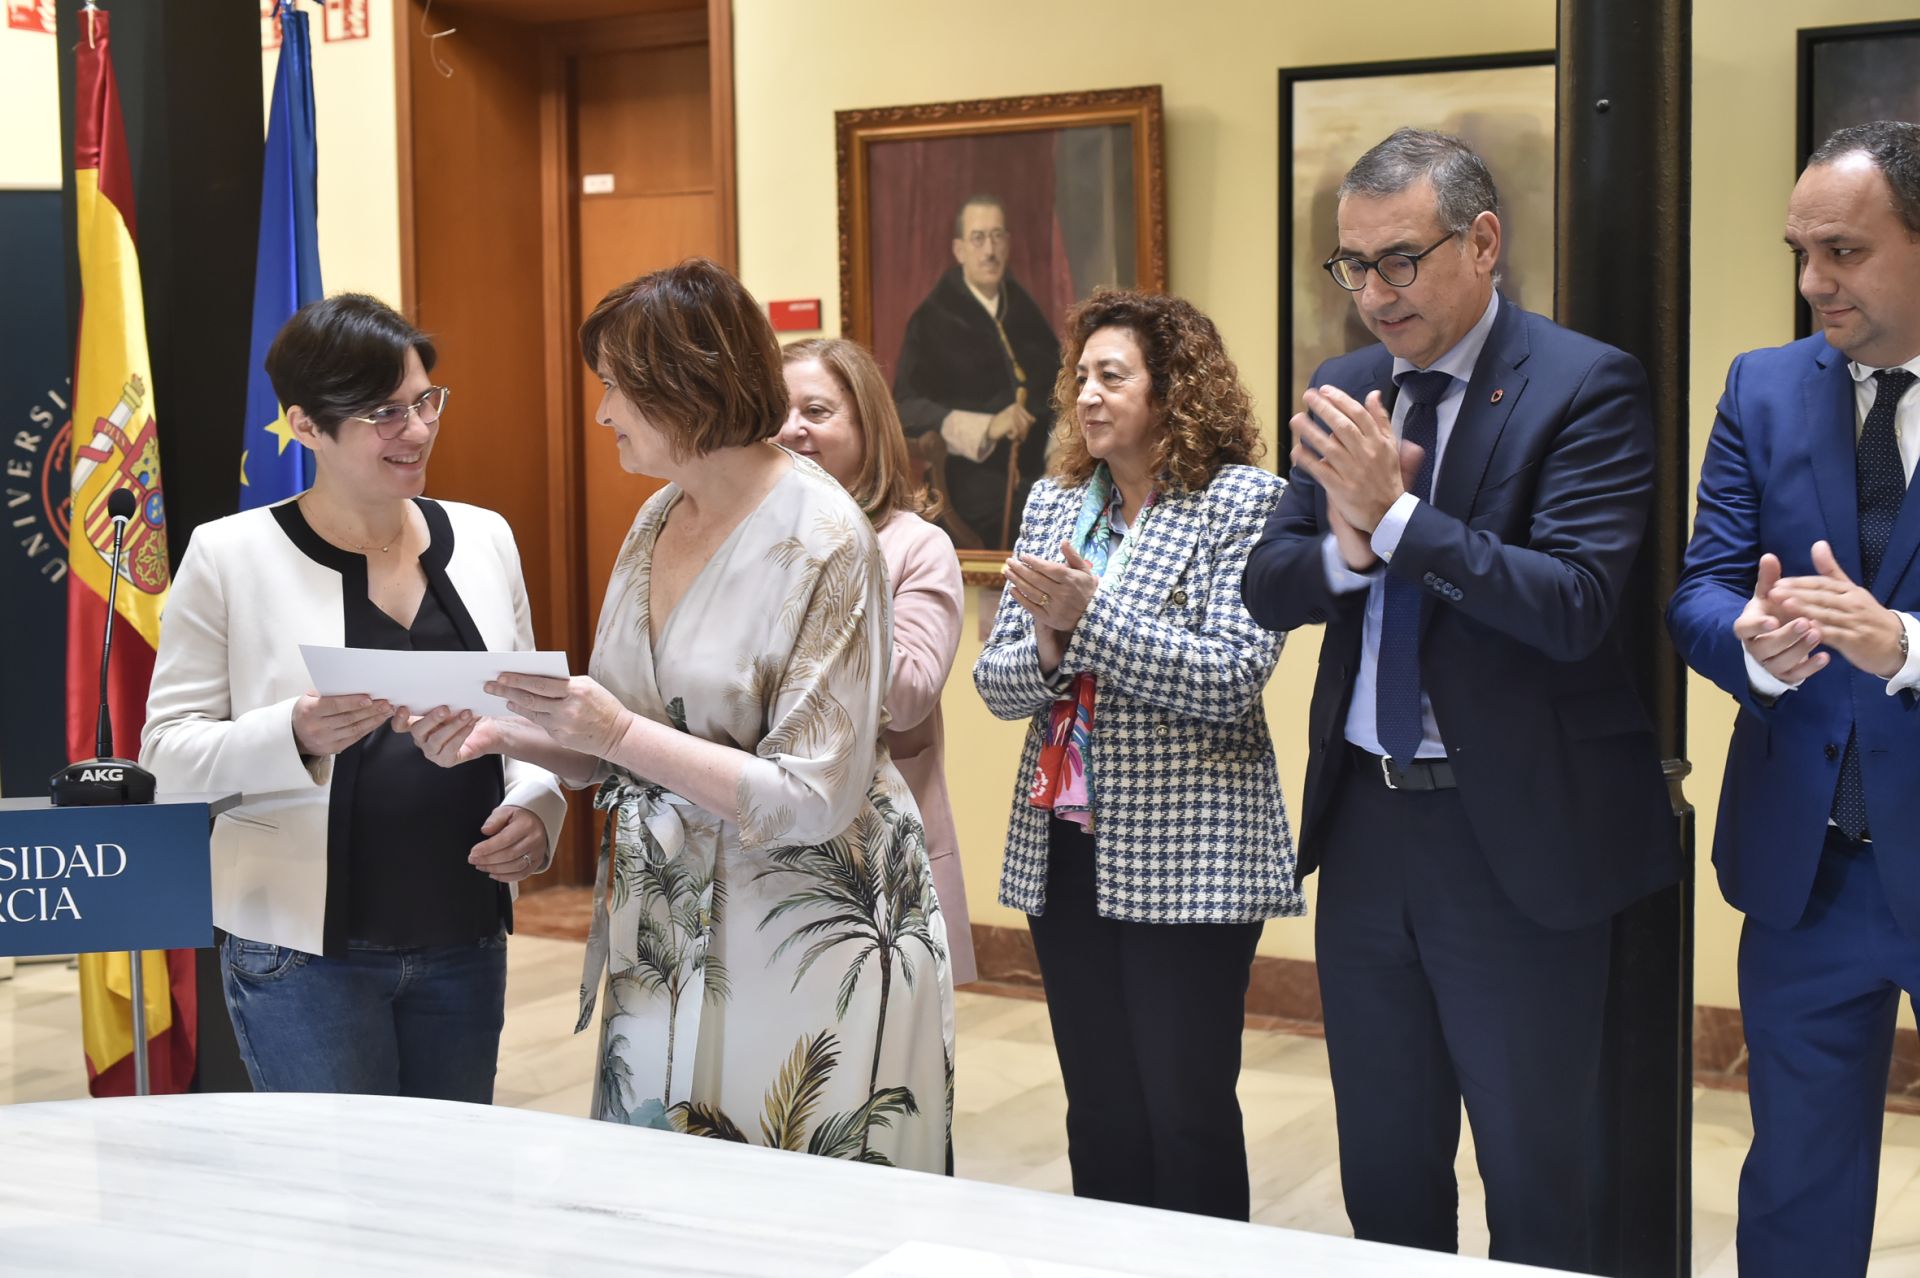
515	847
577	713
1057	594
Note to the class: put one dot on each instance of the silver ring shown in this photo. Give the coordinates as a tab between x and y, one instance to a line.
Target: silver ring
526	859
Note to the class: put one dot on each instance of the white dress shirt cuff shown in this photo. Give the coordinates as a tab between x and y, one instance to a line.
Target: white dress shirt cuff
966	434
1341	580
1393	524
1764	684
1909	674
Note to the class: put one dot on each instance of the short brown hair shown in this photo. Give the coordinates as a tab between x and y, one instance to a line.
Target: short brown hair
881	486
1208	421
690	348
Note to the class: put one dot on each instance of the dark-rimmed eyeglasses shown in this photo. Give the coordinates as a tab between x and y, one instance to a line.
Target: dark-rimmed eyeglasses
1396	270
389	420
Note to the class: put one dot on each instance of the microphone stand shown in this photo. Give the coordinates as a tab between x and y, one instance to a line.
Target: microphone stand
106	779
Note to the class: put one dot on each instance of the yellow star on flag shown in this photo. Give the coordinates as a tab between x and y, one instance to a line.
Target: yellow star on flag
279	429
243	469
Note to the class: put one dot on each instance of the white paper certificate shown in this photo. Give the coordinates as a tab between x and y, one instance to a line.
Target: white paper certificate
421	681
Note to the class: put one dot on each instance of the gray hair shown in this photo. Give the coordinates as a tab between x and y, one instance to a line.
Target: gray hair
979	199
1893	147
1461	182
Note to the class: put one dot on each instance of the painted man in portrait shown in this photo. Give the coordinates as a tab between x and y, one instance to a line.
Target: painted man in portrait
976	369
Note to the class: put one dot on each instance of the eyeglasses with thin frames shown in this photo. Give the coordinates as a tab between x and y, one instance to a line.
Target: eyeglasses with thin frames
1396	270
389	420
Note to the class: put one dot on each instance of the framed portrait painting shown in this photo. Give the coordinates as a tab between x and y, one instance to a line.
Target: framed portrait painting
967	229
1501	104
1848	76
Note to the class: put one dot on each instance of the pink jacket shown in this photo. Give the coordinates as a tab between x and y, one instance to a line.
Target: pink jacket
927	608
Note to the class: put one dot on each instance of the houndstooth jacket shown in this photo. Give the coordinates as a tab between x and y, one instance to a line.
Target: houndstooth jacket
1189	826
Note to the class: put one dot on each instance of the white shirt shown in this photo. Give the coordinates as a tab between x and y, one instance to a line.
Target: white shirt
1459	362
965	433
1906	434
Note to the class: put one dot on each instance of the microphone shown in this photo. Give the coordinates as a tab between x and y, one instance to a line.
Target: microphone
106	779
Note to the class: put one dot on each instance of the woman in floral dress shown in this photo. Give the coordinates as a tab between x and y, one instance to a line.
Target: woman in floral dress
764	918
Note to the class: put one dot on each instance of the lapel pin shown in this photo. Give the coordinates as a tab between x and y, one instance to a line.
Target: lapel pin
1498	395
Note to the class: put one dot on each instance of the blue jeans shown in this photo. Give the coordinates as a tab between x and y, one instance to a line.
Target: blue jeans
382	1022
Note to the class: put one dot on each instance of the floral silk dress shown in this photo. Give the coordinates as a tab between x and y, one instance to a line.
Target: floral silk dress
775	975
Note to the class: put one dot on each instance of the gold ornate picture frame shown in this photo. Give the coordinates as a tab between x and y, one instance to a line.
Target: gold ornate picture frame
1068	192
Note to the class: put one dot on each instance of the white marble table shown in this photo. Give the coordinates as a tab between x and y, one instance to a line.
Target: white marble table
291	1184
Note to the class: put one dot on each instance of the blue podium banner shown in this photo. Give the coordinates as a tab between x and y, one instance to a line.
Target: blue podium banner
90	880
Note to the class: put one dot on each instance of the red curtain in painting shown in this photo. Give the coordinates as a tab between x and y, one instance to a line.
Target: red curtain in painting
917	187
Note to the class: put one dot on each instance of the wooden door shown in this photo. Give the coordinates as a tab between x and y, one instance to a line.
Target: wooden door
503	254
641	126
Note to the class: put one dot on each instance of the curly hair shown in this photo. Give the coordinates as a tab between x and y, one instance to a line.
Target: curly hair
1207	416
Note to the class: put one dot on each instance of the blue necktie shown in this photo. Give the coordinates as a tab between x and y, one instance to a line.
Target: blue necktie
1880	483
1396	707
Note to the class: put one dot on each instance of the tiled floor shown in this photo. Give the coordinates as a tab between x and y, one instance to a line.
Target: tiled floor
1009	1125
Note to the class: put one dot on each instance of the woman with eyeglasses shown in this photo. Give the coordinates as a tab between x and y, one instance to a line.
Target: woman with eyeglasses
365	892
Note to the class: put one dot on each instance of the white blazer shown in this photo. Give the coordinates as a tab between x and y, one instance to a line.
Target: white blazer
220	707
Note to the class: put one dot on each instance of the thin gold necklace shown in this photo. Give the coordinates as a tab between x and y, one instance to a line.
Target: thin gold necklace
395	540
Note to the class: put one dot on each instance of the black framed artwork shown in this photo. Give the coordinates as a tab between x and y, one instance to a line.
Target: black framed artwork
1501	104
1853	75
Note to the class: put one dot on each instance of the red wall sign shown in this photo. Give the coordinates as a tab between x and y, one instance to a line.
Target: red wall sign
30	15
346	19
795	317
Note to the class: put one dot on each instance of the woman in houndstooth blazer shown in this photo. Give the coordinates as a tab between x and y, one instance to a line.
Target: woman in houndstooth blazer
1148	840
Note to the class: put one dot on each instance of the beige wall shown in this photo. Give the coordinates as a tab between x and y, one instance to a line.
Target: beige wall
795	65
1218	63
1743	170
30	105
356	117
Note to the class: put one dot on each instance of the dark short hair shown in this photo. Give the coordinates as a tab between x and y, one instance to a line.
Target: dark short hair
690	348
1893	146
979	199
342	355
1462	186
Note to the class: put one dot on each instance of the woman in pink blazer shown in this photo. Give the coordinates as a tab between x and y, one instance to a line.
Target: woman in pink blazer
843	418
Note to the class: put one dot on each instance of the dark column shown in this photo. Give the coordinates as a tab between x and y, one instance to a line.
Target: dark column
1622	175
189	76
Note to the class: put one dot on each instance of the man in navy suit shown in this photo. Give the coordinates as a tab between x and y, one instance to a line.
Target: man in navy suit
1483	788
1798	597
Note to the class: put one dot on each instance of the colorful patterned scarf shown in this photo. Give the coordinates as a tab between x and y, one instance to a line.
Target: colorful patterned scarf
1060	776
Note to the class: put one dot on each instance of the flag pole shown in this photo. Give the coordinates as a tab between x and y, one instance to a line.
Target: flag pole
143	1081
142	1076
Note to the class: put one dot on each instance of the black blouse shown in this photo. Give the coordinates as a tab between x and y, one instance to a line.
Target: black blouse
399	826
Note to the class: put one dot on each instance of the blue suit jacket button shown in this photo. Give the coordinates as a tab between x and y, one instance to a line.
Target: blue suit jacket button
1832	752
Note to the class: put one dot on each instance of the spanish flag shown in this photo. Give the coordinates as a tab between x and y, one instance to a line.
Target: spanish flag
115	446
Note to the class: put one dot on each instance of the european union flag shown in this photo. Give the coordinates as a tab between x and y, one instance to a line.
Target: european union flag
286	273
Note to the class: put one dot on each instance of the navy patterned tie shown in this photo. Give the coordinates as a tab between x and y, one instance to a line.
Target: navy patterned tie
1396	706
1880	483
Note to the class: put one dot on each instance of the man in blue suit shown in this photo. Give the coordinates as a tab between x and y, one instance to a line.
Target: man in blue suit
1483	786
1798	597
